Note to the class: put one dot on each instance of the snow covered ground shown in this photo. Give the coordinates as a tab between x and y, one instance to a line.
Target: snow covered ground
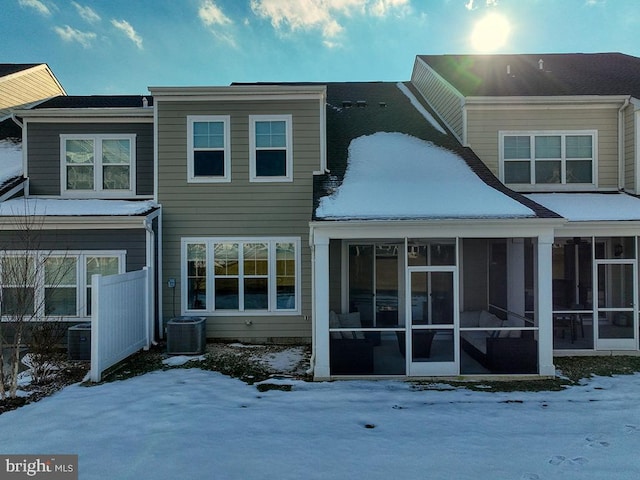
195	424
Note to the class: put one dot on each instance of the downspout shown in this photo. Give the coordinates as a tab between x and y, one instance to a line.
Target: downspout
151	281
312	360
621	150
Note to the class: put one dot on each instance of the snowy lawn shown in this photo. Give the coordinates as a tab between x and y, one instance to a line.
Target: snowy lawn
193	424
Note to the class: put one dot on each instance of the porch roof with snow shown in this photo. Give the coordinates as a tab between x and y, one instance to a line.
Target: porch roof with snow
591	207
390	159
54	207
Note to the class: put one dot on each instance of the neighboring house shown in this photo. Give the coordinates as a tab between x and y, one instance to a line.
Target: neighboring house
562	129
86	205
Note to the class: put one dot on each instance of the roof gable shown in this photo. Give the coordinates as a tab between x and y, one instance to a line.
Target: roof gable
539	74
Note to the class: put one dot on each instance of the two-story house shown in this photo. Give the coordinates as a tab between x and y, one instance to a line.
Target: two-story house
84	205
476	220
235	180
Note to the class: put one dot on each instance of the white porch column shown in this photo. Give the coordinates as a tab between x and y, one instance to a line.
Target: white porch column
321	306
544	304
515	279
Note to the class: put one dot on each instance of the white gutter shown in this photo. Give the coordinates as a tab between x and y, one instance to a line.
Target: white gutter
621	150
15	120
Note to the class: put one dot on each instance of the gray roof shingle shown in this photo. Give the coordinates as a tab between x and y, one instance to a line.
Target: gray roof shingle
10	68
96	101
561	74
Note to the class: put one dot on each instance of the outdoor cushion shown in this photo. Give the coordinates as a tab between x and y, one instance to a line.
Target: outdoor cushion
489	320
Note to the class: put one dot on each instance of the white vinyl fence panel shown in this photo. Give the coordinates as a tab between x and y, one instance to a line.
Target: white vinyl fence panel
120	318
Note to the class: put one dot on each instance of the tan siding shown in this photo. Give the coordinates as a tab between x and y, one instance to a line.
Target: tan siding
484	125
239	208
629	150
26	88
440	96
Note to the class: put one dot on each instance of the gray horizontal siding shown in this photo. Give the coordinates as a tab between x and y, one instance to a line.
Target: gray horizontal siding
239	208
44	153
132	241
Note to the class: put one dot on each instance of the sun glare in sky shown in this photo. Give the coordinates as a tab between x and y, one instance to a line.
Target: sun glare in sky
490	33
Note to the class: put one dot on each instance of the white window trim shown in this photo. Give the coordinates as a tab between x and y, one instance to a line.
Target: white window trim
98	190
549	186
226	121
210	309
81	273
288	119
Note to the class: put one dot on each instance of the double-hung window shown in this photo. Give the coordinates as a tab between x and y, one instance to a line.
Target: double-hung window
548	158
243	276
208	148
35	285
270	148
102	165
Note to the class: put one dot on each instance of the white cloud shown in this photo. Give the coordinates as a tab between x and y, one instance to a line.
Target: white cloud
128	30
323	15
69	34
214	18
490	3
36	5
87	13
210	14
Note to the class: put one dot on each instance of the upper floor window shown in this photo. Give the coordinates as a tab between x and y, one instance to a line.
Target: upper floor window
208	148
548	158
98	164
270	148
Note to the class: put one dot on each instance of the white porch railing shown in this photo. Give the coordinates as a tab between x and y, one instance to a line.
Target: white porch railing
120	318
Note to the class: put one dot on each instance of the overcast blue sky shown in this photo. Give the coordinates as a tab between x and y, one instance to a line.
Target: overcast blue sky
124	46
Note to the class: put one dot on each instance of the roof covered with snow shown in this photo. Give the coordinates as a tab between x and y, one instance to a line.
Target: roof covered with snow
19	207
389	158
10	161
394	175
585	207
561	74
